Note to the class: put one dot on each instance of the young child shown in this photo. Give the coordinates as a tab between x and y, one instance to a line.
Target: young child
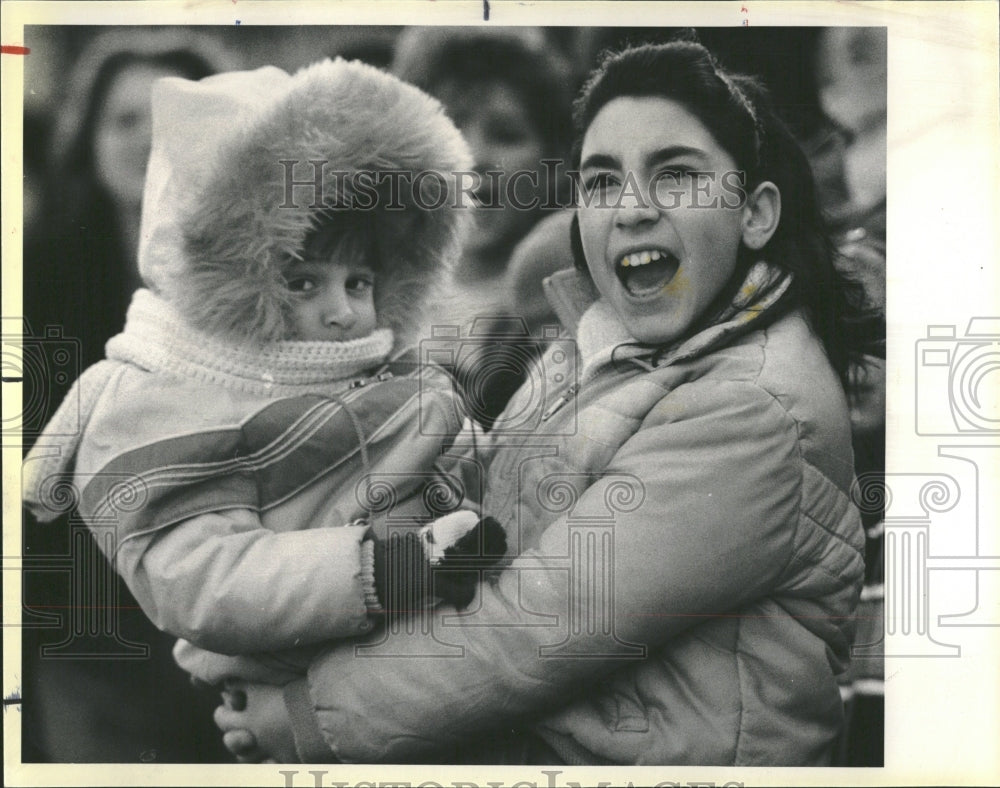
258	428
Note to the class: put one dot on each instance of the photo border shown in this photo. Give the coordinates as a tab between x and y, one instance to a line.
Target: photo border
942	720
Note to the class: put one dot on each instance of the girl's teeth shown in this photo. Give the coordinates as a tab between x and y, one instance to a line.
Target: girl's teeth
640	258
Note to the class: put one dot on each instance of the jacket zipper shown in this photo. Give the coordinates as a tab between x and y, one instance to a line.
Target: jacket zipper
559	403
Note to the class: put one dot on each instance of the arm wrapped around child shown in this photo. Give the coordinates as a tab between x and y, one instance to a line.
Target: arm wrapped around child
402	573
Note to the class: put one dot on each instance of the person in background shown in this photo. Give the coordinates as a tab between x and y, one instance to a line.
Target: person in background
35	138
99	681
849	156
508	91
80	261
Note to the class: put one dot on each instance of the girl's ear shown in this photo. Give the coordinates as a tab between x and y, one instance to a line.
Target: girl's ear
761	215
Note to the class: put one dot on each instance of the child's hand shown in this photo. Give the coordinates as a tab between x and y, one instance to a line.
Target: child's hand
462	535
448	552
261	730
458	546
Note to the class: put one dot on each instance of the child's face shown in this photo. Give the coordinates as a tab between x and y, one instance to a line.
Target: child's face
332	301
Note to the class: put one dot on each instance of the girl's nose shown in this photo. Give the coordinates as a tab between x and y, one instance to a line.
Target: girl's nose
338	312
634	208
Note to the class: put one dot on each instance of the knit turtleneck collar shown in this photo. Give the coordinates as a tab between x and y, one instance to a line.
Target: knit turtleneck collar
157	338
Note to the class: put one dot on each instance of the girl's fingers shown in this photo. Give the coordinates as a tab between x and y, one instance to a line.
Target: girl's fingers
226	719
243	745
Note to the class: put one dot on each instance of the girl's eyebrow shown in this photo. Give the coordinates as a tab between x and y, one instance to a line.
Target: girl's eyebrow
673	152
607	161
597	160
302	263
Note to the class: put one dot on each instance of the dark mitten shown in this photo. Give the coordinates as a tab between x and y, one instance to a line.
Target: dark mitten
457	547
486	541
457	572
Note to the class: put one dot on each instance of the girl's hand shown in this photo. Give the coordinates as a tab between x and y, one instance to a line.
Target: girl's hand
261	730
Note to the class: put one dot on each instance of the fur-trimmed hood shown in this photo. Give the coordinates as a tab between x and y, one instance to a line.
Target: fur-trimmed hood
242	166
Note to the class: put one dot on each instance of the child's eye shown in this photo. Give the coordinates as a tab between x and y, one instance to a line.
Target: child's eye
359	285
301	285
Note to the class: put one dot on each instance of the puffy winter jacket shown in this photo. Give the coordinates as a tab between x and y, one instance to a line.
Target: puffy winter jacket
689	562
224	487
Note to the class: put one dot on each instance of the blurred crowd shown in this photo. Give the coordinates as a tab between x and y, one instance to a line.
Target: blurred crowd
92	693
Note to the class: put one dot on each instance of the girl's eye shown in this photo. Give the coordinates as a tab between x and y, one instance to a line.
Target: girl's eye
600	180
674	172
301	285
359	285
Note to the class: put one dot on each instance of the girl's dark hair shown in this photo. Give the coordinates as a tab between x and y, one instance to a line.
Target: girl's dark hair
345	232
527	63
738	113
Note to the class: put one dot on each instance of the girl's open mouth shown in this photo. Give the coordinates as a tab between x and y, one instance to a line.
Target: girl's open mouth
646	271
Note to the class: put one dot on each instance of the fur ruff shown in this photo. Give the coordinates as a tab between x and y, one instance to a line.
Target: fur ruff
239	232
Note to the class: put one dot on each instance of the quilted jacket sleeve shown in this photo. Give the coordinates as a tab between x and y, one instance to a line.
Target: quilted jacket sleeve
722	474
225	583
